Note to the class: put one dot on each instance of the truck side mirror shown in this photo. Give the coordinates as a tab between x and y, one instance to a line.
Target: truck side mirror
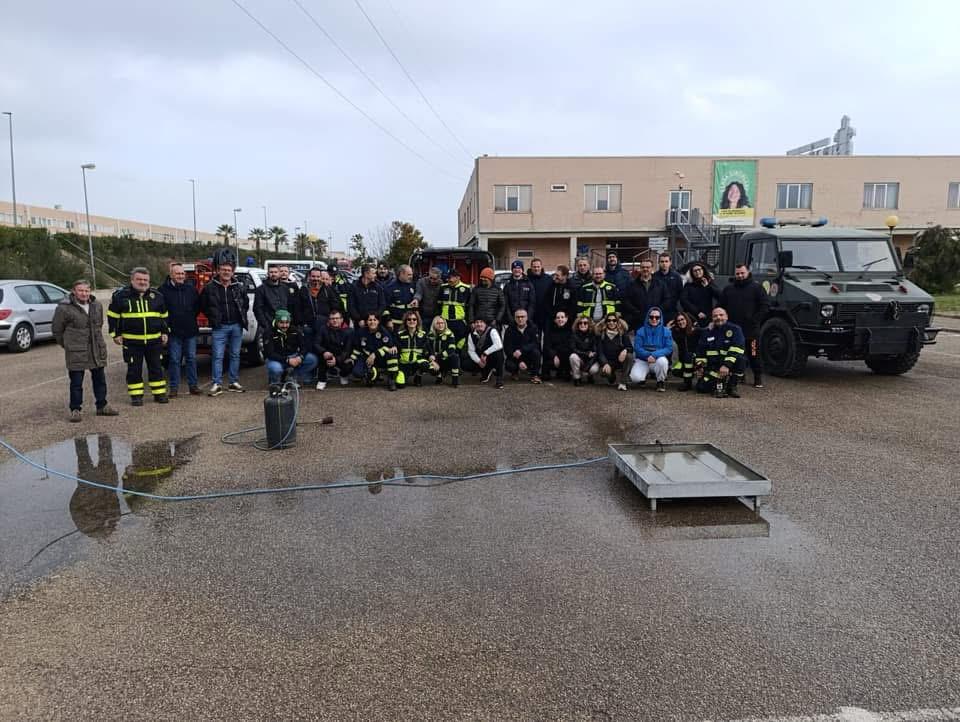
785	259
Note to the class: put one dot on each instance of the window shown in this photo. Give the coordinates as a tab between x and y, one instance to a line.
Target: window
53	294
30	294
679	205
794	195
763	258
602	198
881	195
512	199
953	196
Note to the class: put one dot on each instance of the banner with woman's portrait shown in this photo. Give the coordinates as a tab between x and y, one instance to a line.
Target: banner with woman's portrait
734	191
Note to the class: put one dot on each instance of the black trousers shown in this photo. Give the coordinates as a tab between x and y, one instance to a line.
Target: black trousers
708	384
135	356
344	364
495	362
530	358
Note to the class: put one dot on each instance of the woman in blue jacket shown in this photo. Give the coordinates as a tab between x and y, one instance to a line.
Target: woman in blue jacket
652	347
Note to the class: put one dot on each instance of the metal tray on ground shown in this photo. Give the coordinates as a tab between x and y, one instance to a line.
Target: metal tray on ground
684	471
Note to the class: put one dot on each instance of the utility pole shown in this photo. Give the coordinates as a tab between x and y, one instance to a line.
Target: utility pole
93	270
13	174
236	231
193	194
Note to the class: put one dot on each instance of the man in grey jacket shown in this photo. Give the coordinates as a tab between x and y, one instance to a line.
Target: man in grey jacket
78	328
426	295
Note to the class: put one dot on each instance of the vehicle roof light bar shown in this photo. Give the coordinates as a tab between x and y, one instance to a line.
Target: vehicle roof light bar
773	222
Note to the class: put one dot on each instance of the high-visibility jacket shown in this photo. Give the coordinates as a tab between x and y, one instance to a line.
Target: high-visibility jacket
413	347
442	345
453	301
720	346
591	292
141	318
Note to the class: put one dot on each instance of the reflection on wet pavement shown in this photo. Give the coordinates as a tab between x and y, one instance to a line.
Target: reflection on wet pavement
45	521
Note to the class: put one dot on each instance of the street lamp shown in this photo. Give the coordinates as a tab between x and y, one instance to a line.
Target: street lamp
891	223
193	195
236	230
13	175
265	226
86	204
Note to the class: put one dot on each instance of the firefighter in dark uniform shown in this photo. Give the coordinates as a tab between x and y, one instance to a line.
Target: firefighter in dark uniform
399	294
341	284
376	351
719	362
452	301
443	355
137	320
414	346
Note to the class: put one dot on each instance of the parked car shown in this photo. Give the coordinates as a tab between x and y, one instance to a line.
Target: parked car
26	312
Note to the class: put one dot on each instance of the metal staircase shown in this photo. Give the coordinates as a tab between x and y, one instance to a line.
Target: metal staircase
692	237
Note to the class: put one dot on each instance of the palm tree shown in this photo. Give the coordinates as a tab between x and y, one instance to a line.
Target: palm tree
258	234
320	248
226	231
279	236
302	240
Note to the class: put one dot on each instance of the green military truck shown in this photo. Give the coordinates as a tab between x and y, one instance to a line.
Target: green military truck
835	293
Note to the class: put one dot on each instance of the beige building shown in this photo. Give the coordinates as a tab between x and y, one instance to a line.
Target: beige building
57	220
559	208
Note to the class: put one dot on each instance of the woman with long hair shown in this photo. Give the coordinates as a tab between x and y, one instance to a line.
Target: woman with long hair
735	196
699	295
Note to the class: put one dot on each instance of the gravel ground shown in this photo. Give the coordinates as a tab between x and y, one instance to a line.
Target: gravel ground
549	594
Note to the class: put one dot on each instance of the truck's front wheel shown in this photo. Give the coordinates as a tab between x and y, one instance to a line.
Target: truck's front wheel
780	350
892	365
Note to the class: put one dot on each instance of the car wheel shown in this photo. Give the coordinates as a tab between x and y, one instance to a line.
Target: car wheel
780	351
253	352
22	338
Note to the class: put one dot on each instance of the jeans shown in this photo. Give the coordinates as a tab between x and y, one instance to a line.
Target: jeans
303	372
99	378
232	333
185	348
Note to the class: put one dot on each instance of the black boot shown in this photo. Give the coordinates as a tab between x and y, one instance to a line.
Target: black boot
732	388
417	381
392	383
757	380
686	386
456	380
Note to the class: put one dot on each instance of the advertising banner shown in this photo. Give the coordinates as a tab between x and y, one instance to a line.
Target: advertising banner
734	192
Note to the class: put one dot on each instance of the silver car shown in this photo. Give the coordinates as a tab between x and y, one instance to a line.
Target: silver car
26	312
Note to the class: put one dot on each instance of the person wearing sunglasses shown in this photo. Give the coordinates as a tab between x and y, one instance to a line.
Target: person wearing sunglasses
583	359
414	345
652	347
613	348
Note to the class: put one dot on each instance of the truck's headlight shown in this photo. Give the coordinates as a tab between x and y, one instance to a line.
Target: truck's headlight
826	310
923	308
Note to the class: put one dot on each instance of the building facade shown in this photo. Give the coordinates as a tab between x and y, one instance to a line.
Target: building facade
560	208
57	220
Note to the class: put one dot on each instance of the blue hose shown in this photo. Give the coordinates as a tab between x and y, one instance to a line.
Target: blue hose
438	480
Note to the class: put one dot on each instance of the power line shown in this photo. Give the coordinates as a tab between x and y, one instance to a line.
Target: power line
410	78
369	79
336	90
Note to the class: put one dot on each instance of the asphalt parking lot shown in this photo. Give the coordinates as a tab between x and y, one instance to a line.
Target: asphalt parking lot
543	595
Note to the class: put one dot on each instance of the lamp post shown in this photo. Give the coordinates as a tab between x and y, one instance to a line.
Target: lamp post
236	230
86	204
193	195
13	175
891	223
265	226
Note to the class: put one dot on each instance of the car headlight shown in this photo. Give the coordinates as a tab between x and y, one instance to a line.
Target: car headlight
923	308
826	310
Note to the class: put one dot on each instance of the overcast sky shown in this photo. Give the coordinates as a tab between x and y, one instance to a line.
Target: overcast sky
158	92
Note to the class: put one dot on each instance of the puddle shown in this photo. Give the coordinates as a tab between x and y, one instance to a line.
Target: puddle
47	522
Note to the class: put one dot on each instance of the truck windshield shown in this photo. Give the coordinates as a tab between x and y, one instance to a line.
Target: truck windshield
813	255
873	255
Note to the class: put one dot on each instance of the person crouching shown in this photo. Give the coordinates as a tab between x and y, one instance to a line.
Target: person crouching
285	352
613	350
583	358
485	352
375	353
652	347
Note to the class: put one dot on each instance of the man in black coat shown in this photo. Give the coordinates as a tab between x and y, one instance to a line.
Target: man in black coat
541	282
366	297
519	293
271	296
183	304
643	294
747	305
672	284
560	296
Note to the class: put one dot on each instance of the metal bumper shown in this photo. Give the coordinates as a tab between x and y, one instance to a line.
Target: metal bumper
869	340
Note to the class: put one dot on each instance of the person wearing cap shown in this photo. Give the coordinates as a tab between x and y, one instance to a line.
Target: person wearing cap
519	293
285	351
452	304
486	300
616	274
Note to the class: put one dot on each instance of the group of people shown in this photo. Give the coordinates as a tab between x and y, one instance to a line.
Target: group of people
586	326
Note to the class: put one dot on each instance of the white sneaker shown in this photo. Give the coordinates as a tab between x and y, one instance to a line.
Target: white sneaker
621	387
344	381
321	385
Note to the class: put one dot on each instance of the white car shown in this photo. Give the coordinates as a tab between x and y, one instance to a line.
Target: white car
251	278
26	312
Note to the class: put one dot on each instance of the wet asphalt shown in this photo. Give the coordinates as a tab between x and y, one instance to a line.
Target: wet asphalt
543	595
